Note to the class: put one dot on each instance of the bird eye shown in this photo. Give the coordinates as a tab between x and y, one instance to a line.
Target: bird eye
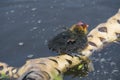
82	24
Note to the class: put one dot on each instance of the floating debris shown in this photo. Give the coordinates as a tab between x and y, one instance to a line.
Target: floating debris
12	11
21	43
34	28
115	71
112	63
39	21
30	56
98	71
33	9
45	42
102	60
105	72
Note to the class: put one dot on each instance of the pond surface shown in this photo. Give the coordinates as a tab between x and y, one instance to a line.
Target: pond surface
27	25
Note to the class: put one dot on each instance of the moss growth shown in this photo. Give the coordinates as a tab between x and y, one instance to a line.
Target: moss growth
80	70
3	76
58	77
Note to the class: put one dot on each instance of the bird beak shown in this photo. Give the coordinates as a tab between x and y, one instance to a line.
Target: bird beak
80	23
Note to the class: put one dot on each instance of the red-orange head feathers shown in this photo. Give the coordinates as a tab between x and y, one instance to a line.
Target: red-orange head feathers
80	27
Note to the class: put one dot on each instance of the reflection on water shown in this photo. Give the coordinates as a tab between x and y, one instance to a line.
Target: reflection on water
26	26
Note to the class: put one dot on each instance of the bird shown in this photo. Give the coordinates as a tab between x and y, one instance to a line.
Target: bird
71	40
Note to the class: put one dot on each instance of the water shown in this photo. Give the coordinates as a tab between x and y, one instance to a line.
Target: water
27	25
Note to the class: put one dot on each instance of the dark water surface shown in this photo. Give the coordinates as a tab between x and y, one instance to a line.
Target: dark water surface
26	26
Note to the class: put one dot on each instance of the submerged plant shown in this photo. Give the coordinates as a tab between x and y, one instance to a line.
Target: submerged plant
3	76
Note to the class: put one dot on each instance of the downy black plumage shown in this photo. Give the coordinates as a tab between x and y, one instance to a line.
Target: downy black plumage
71	40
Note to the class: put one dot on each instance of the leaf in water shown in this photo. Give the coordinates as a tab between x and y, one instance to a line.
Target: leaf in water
4	76
80	66
58	77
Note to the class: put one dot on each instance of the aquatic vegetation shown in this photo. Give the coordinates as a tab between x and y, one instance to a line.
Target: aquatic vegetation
3	76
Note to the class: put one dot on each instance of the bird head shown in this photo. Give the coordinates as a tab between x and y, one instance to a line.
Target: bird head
79	27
